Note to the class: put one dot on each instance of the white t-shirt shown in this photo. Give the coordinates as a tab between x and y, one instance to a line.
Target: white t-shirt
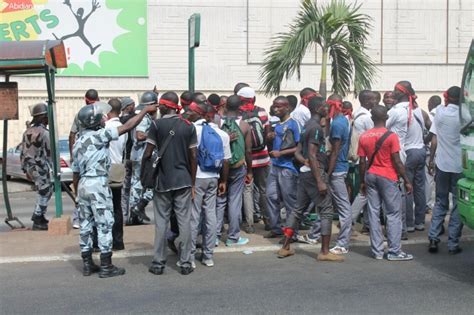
414	138
398	122
362	120
446	126
301	115
225	141
116	147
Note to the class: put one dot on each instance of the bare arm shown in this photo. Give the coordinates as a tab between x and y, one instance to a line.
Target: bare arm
313	150
299	154
248	146
134	121
193	163
75	181
434	146
362	168
146	155
335	148
401	171
72	140
224	174
140	135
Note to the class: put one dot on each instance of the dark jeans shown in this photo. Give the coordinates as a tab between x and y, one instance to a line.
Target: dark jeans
415	169
117	229
445	184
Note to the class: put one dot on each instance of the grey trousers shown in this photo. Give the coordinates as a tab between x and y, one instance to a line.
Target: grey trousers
163	203
307	192
340	198
233	200
204	216
381	189
258	186
281	186
360	205
415	170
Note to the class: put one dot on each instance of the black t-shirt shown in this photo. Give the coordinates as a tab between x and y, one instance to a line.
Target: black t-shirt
314	133
174	171
129	144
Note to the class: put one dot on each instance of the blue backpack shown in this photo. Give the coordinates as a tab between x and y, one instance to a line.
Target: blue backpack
210	150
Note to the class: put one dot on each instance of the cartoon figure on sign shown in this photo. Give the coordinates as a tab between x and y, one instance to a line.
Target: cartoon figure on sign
81	21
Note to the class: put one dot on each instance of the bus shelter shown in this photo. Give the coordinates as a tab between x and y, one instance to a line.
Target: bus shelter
24	58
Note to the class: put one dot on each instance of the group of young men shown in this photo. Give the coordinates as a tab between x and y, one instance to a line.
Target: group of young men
220	158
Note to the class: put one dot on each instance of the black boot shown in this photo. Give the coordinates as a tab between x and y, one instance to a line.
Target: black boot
89	266
140	210
38	223
433	247
107	270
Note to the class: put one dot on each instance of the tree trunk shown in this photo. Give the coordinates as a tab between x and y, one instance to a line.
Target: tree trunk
322	82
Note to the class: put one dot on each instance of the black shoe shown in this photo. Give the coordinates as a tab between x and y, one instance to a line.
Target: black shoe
172	246
120	246
455	250
267	227
249	229
272	234
38	223
140	210
186	270
433	247
156	270
404	236
134	220
89	267
44	220
107	270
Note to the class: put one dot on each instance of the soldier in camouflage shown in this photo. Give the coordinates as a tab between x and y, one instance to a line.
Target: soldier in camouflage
36	160
139	198
91	165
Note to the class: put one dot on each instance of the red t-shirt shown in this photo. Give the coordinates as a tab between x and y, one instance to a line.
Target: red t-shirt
383	165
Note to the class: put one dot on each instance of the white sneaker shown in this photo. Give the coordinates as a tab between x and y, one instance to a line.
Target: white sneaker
193	264
208	262
339	250
306	239
75	225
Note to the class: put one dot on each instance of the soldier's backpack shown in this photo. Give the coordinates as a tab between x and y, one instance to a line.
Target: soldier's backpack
257	131
210	150
237	141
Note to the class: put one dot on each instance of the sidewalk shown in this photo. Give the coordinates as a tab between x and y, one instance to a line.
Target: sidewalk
28	246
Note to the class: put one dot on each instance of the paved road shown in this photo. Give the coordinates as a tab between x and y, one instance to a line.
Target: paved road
250	284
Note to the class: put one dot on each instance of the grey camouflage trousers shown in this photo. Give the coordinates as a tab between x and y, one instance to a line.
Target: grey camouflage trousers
44	187
95	204
137	192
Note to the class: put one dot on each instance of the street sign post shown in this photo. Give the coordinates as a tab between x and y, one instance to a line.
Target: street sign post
194	37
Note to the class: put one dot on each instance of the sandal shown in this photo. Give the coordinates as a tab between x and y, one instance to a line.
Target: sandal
339	250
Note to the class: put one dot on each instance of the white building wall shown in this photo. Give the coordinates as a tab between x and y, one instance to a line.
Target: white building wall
423	41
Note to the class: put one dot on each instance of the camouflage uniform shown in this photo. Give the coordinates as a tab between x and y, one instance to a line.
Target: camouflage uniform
94	197
35	161
137	193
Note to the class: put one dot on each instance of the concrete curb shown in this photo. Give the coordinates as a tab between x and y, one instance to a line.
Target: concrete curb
219	250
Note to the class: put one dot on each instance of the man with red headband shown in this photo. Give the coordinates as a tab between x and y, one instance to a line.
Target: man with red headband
257	118
301	113
339	136
209	183
446	159
175	180
406	120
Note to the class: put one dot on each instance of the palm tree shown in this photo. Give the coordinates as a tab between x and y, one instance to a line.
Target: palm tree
340	30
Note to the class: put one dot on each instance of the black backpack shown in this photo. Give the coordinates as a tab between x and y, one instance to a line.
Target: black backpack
257	131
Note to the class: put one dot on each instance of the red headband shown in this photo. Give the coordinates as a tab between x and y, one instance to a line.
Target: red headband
446	98
249	104
305	99
411	99
184	102
195	108
170	104
335	108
